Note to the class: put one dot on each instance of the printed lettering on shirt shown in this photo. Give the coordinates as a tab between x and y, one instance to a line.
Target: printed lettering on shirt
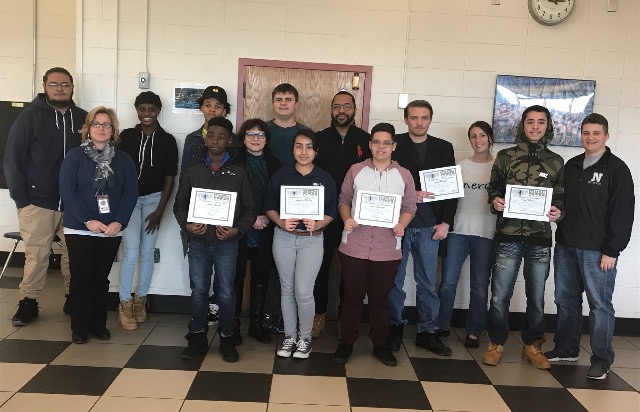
545	175
595	179
482	186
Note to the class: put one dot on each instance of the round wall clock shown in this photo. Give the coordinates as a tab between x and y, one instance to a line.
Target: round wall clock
550	12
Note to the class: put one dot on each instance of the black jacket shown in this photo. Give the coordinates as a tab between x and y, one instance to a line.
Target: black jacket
439	154
37	143
231	177
599	204
337	157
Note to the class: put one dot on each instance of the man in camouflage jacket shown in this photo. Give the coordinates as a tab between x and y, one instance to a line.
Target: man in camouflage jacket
529	163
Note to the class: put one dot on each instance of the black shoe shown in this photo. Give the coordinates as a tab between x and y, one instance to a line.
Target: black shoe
441	333
78	338
102	334
433	343
384	354
228	349
197	343
237	337
395	337
597	373
259	333
27	311
471	343
342	354
65	307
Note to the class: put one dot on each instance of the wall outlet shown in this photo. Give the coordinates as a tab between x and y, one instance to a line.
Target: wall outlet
156	255
144	81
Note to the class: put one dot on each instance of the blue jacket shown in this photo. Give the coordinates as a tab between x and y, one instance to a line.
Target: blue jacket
79	197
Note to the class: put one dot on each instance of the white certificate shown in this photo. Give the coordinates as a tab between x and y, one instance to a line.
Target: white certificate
527	202
212	207
302	202
444	183
377	209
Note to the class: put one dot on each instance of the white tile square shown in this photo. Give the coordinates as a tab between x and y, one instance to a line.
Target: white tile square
441	27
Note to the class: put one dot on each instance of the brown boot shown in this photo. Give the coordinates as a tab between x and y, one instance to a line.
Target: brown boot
140	308
533	353
493	354
318	325
125	316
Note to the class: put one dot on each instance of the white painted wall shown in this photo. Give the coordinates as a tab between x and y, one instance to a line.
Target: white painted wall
447	52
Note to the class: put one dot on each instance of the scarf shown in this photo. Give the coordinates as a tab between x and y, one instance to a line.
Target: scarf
103	176
257	170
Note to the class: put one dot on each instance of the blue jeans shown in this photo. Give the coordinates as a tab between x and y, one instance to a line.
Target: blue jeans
479	249
509	255
203	259
578	270
135	239
419	243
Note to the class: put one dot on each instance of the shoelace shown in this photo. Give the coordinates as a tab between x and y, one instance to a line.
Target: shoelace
302	345
288	344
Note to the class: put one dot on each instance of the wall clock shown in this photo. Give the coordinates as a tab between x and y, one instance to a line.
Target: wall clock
550	12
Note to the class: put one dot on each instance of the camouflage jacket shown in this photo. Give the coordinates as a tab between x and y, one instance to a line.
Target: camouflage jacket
528	164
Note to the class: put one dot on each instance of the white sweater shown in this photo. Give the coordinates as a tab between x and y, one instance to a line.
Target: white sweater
473	216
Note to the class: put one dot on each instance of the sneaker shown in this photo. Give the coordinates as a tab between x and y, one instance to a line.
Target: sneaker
197	343
394	340
288	345
384	355
228	349
342	354
441	333
27	311
125	315
533	353
472	343
212	317
554	355
318	325
65	307
597	372
140	308
493	354
432	343
303	349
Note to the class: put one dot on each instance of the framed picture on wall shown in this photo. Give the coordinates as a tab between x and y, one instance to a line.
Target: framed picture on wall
568	100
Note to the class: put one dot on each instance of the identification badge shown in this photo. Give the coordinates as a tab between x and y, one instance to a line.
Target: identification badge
103	203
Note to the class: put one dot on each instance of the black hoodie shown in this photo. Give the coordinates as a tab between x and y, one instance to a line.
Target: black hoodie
38	141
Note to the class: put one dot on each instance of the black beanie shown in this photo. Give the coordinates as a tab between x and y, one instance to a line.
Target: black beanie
148	97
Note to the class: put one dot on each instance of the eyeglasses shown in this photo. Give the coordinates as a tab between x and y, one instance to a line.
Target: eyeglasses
256	135
346	107
384	143
102	125
64	85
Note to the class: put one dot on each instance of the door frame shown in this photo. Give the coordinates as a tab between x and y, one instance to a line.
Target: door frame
366	97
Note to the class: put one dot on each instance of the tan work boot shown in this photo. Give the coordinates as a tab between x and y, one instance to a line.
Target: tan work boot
533	353
318	325
125	316
140	308
493	354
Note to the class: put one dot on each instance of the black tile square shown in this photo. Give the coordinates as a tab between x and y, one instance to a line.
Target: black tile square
449	370
575	377
72	380
163	357
318	364
383	393
527	399
30	351
231	387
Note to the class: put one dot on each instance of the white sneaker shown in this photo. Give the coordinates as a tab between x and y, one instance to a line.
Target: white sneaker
303	349
288	345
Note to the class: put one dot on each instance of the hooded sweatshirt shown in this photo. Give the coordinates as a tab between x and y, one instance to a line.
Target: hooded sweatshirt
38	141
527	164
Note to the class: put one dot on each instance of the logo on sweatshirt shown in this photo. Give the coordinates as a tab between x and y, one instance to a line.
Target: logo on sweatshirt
544	175
595	179
359	152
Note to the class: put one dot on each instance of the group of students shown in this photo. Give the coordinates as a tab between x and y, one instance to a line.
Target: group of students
117	185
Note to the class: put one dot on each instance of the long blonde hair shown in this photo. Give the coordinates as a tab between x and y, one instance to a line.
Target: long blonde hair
115	131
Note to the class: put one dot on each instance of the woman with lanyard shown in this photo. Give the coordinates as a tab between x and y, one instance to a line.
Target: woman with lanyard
155	154
298	244
99	189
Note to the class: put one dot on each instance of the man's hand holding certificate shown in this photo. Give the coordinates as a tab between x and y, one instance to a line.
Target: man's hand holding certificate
377	209
529	203
443	183
212	207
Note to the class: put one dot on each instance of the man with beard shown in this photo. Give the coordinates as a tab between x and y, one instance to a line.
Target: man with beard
37	143
340	146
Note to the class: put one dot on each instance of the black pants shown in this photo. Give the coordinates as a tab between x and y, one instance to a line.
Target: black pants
90	261
332	235
261	265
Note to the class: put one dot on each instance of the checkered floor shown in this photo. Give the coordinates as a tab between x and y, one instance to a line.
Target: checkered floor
40	369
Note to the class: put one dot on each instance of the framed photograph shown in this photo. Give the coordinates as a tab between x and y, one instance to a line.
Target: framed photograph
568	100
185	98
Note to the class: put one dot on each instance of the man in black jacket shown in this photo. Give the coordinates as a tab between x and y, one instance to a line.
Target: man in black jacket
37	143
340	146
599	203
416	151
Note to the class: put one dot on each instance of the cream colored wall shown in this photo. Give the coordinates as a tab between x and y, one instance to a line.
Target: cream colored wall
448	52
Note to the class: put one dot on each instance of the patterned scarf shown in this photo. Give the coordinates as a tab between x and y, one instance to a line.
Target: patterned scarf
103	177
